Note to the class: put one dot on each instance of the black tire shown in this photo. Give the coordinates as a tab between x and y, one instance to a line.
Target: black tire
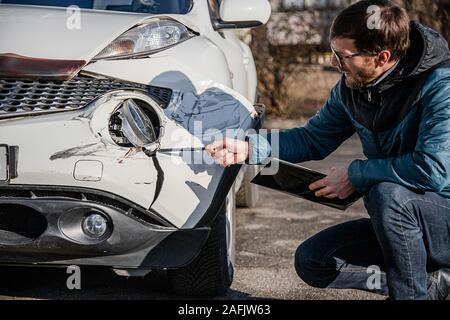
248	193
210	273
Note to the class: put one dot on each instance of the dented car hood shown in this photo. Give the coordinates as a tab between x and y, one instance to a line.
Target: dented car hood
26	31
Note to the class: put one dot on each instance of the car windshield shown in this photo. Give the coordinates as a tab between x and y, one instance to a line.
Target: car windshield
142	6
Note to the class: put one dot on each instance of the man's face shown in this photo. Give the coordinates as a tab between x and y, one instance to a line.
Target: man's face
359	70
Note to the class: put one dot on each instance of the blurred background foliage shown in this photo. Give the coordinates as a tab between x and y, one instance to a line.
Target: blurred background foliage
292	53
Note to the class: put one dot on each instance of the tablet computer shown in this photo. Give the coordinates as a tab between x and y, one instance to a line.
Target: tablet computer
294	179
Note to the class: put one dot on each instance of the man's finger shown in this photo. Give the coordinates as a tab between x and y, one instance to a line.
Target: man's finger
318	184
230	144
219	157
331	196
216	145
229	159
324	192
221	154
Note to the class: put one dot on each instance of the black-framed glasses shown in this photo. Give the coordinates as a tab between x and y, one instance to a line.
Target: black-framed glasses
340	58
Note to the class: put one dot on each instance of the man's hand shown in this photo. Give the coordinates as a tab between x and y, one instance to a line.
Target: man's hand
228	151
335	185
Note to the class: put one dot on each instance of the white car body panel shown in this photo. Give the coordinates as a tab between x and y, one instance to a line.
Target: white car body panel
131	175
199	70
98	29
172	68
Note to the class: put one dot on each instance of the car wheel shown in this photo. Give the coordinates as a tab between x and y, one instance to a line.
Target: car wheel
248	194
211	272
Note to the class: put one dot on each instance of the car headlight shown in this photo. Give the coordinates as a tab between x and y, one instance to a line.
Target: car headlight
146	39
136	126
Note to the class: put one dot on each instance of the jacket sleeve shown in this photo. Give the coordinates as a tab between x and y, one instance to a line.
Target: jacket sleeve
317	139
427	168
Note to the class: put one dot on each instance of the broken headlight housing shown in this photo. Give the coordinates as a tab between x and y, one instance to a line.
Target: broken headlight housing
146	39
134	125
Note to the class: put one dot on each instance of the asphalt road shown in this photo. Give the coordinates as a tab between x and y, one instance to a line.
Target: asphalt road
267	237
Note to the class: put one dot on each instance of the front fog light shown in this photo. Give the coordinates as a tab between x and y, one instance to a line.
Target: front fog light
95	225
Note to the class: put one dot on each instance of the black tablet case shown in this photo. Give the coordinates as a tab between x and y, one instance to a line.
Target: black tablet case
295	180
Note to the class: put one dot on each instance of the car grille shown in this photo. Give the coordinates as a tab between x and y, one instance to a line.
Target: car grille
28	97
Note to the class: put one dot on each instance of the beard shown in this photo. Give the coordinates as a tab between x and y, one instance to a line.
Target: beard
360	78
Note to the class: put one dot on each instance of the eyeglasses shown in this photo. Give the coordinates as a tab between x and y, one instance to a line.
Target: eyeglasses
340	58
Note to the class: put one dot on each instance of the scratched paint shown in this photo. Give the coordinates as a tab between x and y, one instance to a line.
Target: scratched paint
130	153
85	150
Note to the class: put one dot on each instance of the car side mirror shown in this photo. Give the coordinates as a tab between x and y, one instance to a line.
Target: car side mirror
240	14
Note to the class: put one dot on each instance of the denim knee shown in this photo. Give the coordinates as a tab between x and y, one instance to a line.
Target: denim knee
384	196
385	192
390	208
309	268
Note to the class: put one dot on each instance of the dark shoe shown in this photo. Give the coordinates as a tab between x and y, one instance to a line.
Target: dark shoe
440	289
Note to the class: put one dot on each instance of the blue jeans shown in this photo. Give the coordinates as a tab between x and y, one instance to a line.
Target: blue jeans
393	253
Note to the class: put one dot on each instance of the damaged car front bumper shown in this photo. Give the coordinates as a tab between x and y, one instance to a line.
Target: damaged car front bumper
68	160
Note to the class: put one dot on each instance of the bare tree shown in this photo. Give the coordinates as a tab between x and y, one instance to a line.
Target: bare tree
433	13
277	62
277	53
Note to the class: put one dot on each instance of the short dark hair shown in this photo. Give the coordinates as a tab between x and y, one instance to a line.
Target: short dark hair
386	28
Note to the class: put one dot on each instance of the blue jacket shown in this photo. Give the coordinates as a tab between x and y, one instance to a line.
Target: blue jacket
403	123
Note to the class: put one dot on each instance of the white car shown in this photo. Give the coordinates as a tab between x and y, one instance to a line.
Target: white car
105	106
